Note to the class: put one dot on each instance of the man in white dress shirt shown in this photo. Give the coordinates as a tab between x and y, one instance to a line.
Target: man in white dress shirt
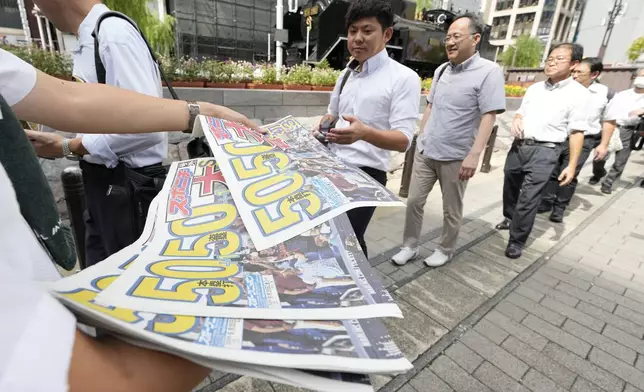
551	112
557	198
467	94
111	221
378	107
627	108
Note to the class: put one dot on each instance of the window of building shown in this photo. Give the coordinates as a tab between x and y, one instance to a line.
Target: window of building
500	26
523	24
504	5
528	3
545	25
10	14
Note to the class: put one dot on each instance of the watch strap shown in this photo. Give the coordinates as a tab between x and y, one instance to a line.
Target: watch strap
194	109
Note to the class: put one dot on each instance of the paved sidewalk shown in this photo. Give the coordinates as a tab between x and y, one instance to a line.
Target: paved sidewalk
440	305
576	323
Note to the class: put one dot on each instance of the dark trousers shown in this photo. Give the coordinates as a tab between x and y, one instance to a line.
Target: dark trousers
527	171
621	158
558	197
360	217
111	218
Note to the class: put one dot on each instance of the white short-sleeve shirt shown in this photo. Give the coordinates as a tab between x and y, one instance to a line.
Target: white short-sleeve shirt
17	78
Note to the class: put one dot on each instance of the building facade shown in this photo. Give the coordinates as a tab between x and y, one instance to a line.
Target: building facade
551	21
628	27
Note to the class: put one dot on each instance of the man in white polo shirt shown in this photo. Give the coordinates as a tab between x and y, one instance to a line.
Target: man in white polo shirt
110	220
557	198
378	107
551	112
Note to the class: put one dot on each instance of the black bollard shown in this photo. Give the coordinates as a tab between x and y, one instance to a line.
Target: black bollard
72	179
408	169
489	149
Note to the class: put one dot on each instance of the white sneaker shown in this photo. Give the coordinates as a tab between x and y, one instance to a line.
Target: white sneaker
405	254
437	259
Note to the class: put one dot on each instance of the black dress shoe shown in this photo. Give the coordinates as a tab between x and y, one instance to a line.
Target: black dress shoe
513	251
594	180
606	190
505	225
543	208
557	215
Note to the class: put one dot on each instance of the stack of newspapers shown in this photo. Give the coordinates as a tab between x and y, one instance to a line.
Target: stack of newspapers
248	264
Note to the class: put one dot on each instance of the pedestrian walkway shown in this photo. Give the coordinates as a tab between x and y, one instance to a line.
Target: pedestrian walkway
574	323
440	305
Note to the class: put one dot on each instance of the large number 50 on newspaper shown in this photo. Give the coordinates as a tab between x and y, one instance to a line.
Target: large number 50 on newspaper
285	182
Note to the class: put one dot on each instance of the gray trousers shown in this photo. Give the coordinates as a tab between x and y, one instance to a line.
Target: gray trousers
621	157
425	174
527	171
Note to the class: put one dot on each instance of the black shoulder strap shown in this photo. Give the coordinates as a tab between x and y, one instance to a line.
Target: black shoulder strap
611	93
440	73
344	80
100	68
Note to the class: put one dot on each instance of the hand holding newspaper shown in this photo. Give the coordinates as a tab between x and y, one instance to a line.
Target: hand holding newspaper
197	286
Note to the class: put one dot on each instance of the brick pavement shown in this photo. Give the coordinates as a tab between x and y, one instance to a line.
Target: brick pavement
575	323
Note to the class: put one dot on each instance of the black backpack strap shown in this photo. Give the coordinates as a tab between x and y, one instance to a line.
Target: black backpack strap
100	68
344	80
611	93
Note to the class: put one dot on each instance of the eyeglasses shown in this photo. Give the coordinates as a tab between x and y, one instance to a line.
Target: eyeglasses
455	38
557	60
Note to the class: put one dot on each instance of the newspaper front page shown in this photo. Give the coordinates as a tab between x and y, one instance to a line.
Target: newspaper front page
285	182
202	262
353	346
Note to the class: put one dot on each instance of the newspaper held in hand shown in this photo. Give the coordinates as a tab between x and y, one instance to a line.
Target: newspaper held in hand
354	346
202	262
285	182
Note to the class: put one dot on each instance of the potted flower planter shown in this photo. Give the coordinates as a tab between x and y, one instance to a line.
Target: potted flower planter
263	86
225	85
322	88
298	87
181	83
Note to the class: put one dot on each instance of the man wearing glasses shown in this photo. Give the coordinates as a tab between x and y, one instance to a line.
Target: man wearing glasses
551	112
557	198
466	95
627	109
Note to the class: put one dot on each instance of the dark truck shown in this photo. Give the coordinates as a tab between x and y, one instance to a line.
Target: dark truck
415	43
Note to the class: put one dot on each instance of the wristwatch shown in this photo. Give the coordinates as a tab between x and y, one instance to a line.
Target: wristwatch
67	153
194	109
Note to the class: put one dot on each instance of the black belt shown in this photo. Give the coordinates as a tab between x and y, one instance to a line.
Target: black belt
532	142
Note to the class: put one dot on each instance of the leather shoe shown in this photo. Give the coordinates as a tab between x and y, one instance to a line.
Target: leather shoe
557	215
606	190
513	251
544	208
505	225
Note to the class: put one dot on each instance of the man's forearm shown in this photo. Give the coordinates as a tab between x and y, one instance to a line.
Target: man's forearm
117	366
485	130
99	108
608	127
576	141
387	140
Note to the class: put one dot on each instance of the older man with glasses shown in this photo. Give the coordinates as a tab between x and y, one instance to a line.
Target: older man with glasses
551	112
466	95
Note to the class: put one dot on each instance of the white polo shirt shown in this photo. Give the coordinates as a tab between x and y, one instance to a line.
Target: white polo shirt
385	95
622	104
128	65
551	111
597	105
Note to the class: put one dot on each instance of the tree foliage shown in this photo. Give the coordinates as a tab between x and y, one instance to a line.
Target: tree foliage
636	49
529	52
159	33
